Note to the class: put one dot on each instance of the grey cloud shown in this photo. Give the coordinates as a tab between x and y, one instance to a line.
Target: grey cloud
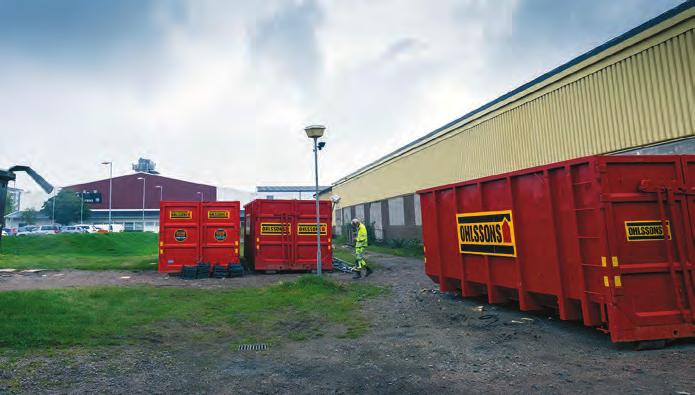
286	42
403	47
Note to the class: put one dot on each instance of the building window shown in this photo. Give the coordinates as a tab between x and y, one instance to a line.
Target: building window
376	220
396	212
346	215
418	212
359	212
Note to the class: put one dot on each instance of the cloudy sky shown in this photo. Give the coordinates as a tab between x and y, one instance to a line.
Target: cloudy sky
219	91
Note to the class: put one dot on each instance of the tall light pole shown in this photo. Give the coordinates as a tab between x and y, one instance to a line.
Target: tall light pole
201	195
315	132
143	202
110	188
161	192
82	206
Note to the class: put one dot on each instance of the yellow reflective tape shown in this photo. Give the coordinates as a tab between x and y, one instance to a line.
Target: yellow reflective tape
258	247
236	251
161	244
603	261
161	252
424	249
614	259
425	259
605	281
329	247
258	239
236	243
618	282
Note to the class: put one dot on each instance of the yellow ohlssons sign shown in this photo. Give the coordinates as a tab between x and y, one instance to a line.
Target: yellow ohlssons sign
275	228
486	233
218	214
308	228
646	230
180	214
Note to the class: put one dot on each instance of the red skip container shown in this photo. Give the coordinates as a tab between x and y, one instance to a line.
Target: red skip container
605	239
192	232
281	235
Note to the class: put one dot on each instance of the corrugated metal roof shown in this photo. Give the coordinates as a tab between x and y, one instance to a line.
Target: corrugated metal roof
611	43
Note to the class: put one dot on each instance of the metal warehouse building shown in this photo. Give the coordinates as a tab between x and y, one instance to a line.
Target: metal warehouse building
127	198
634	94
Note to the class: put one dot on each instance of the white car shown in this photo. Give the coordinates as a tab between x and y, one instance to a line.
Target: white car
27	230
4	233
72	229
87	228
47	230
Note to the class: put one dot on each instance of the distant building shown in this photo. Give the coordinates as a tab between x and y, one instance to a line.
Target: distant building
145	166
287	192
127	197
14	220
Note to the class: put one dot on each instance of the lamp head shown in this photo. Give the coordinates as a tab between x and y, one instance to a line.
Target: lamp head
314	131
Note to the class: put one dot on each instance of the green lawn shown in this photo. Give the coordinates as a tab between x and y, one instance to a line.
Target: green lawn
94	251
115	315
405	250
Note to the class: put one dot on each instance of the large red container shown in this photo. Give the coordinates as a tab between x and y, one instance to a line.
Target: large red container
605	239
281	235
192	232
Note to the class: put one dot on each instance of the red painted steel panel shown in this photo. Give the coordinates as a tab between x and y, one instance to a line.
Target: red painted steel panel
281	234
179	235
605	239
192	232
220	232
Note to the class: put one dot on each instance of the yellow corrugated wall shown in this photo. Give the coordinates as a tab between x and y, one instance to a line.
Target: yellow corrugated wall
641	95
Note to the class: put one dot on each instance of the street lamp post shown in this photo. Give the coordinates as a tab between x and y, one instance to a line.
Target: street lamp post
82	206
161	192
110	188
143	202
315	132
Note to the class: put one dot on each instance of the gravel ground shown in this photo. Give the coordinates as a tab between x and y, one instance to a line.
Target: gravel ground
419	341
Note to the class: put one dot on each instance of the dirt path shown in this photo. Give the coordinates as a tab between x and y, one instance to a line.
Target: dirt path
46	279
419	341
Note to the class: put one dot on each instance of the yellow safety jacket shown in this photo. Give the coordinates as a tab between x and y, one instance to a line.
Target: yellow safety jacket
361	240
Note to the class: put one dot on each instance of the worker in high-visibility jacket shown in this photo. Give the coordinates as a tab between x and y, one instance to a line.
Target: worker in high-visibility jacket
360	245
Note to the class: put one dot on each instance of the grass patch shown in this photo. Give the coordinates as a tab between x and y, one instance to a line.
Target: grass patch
99	316
92	251
394	247
406	251
344	254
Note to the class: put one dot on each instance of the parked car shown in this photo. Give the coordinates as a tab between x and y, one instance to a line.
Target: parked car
48	229
103	228
72	229
27	230
5	232
87	228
